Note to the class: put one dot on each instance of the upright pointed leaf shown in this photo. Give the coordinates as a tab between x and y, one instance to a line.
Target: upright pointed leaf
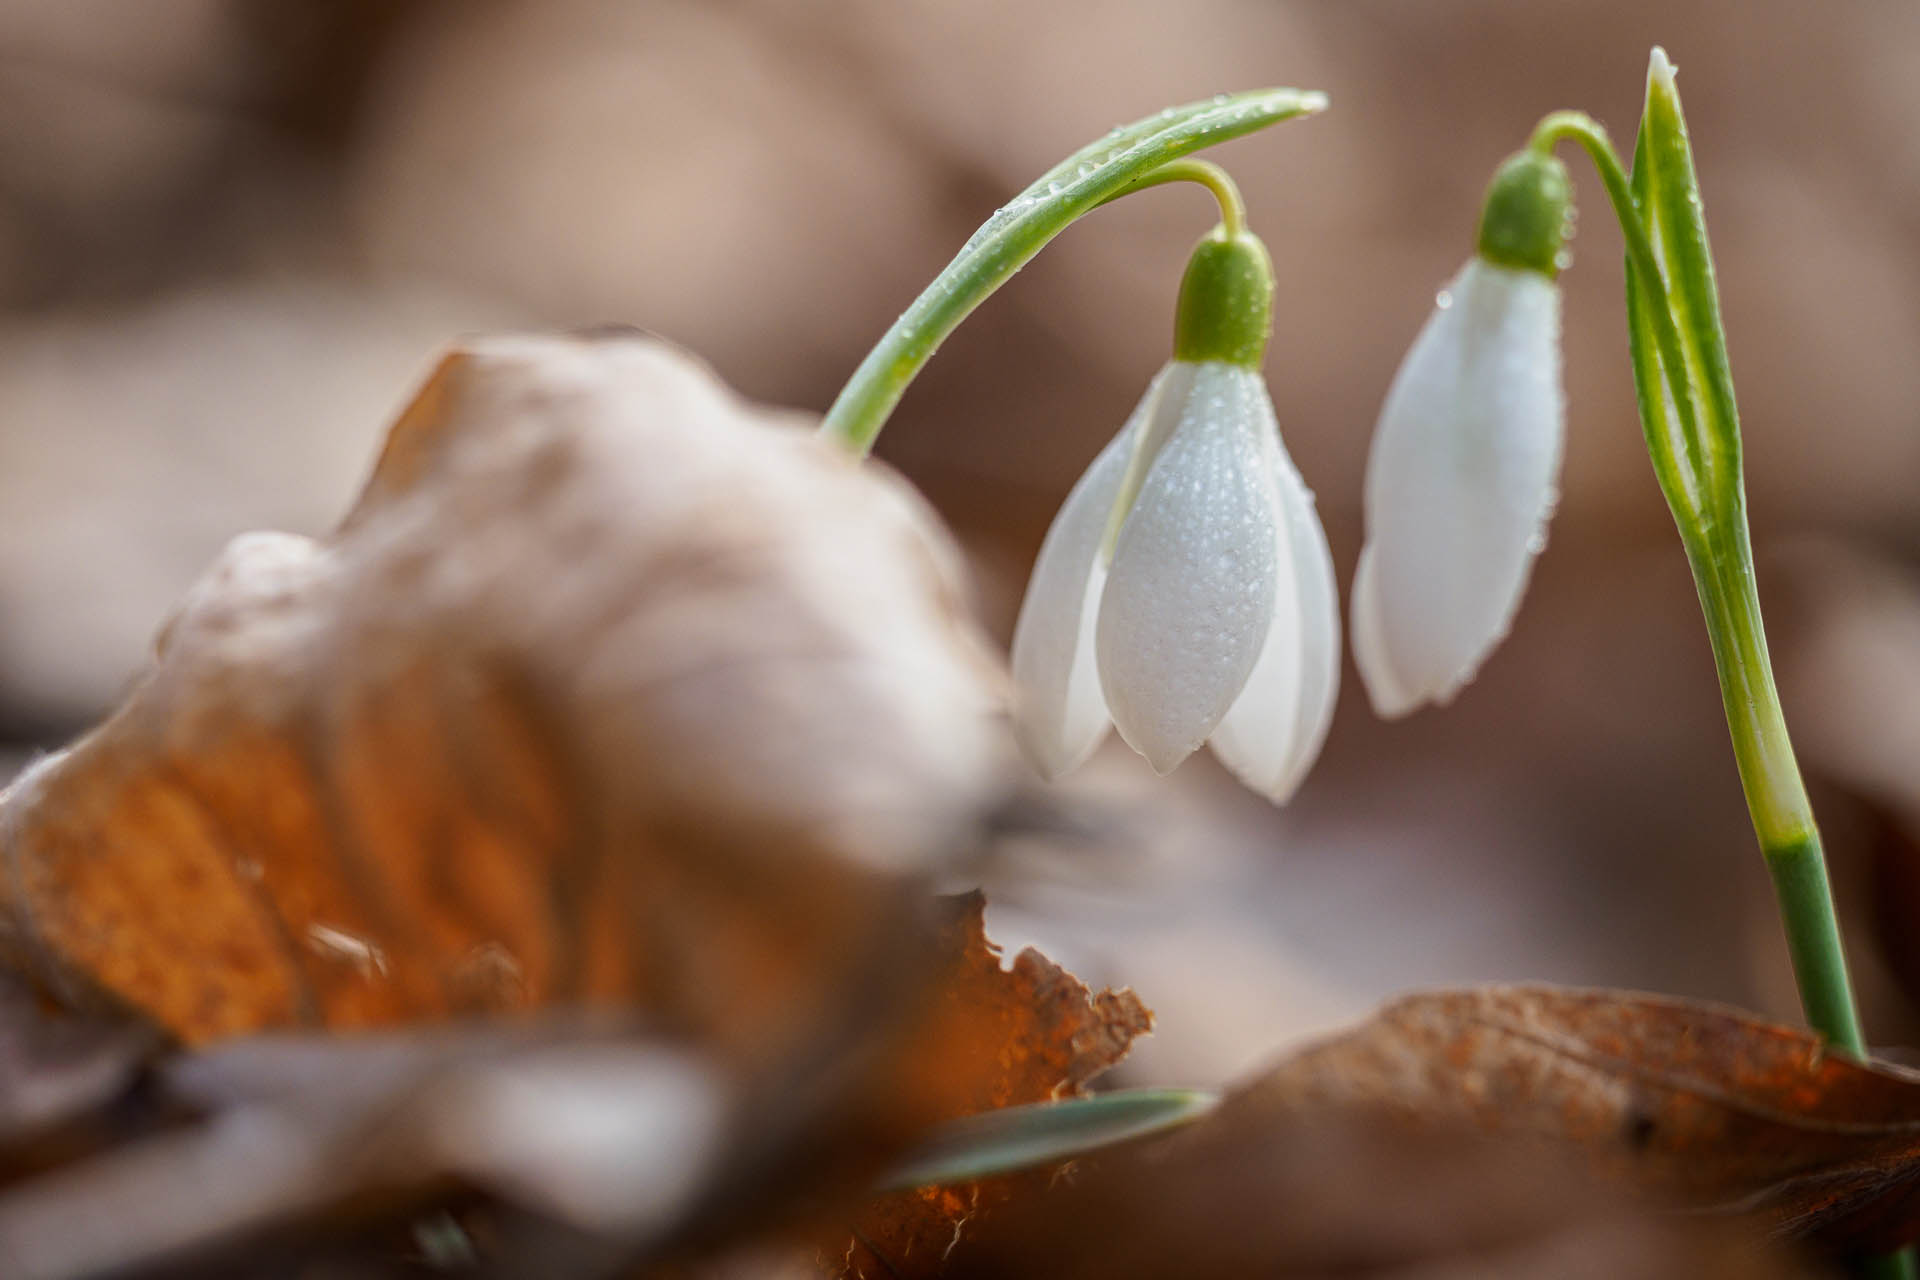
1665	184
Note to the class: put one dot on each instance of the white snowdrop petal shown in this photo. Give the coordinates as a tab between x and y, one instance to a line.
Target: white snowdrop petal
1319	630
1189	598
1460	484
1272	735
1389	697
1059	713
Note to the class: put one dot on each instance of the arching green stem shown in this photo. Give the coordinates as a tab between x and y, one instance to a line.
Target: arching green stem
1233	210
1129	158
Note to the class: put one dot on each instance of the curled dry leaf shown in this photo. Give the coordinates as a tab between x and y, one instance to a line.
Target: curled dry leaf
995	1037
610	689
1692	1103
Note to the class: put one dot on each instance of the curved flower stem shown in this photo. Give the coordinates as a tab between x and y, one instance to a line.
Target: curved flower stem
1123	161
1233	210
1707	497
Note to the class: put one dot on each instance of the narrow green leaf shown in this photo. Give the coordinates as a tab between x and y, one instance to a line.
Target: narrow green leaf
1677	459
1012	236
1678	480
1669	194
1017	1138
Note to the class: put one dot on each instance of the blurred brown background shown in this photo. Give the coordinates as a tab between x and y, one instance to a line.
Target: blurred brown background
234	232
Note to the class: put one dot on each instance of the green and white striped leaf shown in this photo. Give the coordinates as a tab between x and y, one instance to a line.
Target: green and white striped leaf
1667	192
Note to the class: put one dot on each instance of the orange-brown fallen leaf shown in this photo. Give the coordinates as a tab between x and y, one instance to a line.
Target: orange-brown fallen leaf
610	689
1692	1103
992	1037
592	1132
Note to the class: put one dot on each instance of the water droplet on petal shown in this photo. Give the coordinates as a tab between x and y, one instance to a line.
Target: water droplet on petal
1443	299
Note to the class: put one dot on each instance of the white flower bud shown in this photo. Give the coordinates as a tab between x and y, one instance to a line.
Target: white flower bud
1460	485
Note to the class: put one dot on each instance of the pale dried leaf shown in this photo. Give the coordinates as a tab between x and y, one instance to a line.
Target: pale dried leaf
610	689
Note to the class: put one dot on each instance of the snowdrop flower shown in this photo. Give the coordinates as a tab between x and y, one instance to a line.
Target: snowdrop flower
1461	479
1184	591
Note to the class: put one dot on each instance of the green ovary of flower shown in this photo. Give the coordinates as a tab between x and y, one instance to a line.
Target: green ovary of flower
1524	223
1225	311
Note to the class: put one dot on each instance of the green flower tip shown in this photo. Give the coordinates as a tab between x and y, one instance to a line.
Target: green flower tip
1525	222
1226	301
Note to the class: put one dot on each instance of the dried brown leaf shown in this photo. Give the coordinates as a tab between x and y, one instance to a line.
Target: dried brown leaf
993	1037
1347	1194
1692	1103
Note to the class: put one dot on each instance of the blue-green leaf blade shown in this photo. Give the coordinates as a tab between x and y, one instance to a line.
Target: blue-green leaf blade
1014	1139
